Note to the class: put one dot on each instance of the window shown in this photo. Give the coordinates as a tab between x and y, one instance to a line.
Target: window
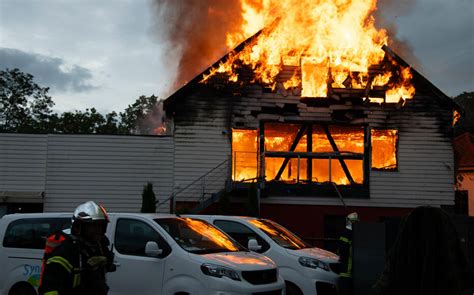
241	233
198	236
244	154
32	233
279	234
384	149
132	235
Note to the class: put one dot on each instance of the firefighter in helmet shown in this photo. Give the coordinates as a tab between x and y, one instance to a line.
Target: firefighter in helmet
76	263
345	254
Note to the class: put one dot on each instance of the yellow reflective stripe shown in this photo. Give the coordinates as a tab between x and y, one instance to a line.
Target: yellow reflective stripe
61	261
344	239
51	293
77	280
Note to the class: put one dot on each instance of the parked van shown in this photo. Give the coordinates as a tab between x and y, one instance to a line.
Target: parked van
154	254
305	269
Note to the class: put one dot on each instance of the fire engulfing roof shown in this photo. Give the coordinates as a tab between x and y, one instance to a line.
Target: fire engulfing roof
418	80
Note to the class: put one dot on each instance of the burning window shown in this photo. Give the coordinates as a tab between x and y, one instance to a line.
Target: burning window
284	138
333	154
384	149
347	140
244	154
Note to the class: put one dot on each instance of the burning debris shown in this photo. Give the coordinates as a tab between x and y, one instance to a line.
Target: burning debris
334	44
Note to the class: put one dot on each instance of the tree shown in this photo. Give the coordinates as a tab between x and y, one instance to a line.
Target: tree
24	106
142	117
466	122
148	199
80	122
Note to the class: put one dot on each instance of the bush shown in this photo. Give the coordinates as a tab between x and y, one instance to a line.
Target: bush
148	199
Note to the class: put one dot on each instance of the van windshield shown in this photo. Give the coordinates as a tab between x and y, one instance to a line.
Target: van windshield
279	234
198	236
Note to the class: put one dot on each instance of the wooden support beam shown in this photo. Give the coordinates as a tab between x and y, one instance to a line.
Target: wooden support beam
306	155
292	149
309	149
341	160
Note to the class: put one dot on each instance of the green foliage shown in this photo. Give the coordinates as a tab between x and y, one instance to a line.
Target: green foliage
134	116
148	199
24	106
466	122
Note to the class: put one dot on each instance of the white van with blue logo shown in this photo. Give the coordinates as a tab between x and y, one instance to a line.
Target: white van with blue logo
154	254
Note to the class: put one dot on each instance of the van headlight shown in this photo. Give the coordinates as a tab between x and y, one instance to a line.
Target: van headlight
219	271
313	263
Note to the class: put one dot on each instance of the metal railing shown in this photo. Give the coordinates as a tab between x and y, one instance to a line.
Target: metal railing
211	182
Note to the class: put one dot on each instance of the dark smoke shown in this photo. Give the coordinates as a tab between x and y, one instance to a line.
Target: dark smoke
385	17
197	29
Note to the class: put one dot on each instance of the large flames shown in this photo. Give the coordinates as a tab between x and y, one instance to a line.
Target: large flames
334	42
279	138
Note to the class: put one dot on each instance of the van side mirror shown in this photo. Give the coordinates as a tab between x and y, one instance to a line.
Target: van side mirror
152	249
253	245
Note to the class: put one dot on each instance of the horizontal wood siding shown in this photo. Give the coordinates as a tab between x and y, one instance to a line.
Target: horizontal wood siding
111	170
425	156
202	142
22	167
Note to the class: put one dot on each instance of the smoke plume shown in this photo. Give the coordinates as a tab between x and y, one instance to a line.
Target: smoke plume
194	31
197	30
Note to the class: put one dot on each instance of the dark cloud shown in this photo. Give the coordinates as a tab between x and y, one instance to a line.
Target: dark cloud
48	71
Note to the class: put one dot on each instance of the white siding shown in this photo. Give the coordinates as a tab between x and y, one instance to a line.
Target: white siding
108	169
425	174
22	167
201	143
71	169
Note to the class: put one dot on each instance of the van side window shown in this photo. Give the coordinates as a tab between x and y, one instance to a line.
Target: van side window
132	235
31	233
241	233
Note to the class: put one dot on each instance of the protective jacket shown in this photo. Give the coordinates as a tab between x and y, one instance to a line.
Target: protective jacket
75	267
345	253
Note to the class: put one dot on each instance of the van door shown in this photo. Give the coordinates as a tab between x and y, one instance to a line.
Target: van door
137	273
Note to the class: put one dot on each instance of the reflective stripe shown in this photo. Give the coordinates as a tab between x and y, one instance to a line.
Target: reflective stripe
61	261
51	293
77	280
344	239
348	273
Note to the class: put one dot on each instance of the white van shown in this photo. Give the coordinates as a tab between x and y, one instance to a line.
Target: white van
154	254
305	269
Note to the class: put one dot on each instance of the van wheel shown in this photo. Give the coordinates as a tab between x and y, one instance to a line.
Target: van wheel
22	289
181	293
292	289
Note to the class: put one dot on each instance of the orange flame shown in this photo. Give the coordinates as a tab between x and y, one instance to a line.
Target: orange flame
279	137
328	39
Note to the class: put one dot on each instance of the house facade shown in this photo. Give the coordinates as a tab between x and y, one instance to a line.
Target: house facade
314	159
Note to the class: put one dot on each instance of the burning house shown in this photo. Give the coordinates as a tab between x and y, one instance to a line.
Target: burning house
321	116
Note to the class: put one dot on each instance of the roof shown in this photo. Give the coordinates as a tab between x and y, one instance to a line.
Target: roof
420	79
464	150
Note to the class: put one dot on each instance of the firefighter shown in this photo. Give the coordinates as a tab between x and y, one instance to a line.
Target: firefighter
345	254
76	263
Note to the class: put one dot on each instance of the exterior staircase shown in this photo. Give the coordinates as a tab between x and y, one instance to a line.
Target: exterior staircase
209	187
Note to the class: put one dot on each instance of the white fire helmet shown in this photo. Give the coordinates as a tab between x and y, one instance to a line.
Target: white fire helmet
350	219
90	212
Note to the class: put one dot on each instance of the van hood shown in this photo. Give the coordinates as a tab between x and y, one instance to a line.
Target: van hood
317	253
243	261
